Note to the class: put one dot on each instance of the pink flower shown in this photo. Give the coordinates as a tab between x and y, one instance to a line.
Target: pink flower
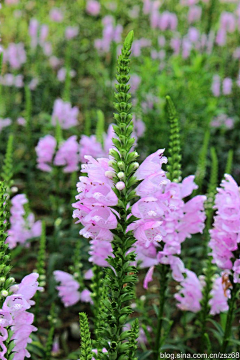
219	301
56	15
19	319
227	86
86	296
216	85
68	289
165	220
90	146
190	295
45	150
4	123
226	228
93	207
15	54
71	32
67	155
194	14
22	226
148	278
93	7
64	114
152	164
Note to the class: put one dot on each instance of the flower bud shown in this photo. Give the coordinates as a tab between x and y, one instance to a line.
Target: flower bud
121	175
121	165
14	189
2	280
4	293
109	174
120	185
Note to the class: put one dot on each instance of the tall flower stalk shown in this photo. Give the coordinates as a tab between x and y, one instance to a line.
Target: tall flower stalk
104	210
121	276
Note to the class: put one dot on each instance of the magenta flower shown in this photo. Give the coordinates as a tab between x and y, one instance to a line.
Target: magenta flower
64	114
45	150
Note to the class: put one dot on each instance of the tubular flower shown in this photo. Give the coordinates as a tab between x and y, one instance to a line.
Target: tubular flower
93	205
219	300
69	289
165	220
68	155
190	295
225	234
14	314
22	225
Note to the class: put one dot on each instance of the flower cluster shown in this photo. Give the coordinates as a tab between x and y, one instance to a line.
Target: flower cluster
14	314
111	34
165	221
38	34
93	206
225	235
68	289
64	114
67	155
190	294
15	54
22	224
227	84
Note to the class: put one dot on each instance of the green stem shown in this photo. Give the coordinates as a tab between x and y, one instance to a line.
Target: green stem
163	269
205	303
228	326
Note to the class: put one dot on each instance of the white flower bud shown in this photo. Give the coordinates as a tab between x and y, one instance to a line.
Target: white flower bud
121	175
4	293
120	185
109	174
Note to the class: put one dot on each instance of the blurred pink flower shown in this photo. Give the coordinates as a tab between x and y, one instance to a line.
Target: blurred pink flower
93	7
56	15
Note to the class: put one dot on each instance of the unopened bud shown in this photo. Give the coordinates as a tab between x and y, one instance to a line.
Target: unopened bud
109	174
2	280
14	189
4	293
120	185
121	175
121	165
